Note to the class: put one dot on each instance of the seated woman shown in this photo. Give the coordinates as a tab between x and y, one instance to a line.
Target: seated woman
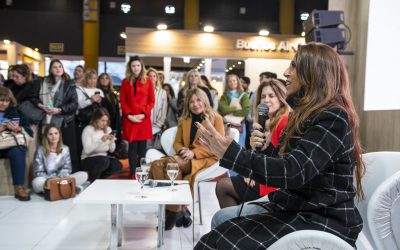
191	156
53	159
319	157
231	191
98	141
11	120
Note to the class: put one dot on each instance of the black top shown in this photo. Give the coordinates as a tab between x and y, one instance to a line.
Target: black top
193	128
24	92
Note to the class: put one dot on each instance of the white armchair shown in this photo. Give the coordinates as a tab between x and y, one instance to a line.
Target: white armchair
210	173
167	142
380	211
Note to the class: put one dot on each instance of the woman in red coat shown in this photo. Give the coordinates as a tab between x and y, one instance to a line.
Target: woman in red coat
137	100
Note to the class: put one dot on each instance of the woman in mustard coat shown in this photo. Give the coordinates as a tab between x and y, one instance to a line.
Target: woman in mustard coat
191	156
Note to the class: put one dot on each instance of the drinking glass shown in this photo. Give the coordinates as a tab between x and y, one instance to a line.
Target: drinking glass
145	164
141	177
172	172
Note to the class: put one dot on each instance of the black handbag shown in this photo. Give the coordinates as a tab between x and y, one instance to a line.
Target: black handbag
85	115
34	114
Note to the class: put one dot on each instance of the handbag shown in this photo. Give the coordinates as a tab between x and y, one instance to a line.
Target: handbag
157	141
9	139
85	114
121	150
233	119
34	114
59	188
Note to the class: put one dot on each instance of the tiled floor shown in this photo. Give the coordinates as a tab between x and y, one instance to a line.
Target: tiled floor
62	225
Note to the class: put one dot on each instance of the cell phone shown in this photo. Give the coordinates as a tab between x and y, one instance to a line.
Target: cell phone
114	132
97	93
15	121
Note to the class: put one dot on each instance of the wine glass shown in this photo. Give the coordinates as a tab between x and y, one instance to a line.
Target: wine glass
145	164
141	177
172	172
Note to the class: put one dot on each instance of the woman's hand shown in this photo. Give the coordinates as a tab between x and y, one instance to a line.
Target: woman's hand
180	160
249	182
14	127
54	111
259	139
95	98
44	107
136	118
211	139
186	154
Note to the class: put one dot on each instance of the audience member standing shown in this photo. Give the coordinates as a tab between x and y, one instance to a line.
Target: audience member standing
79	71
235	102
172	112
59	100
110	102
159	111
53	159
137	101
245	82
192	80
23	86
213	91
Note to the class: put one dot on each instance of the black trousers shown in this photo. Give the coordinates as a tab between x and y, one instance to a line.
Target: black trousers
100	167
137	150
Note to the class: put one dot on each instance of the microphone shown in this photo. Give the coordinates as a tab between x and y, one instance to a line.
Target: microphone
154	183
263	110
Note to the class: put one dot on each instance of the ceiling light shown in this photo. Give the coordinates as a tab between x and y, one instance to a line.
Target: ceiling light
170	9
202	61
6	41
230	68
263	33
239	62
36	49
226	70
208	28
233	66
125	7
303	33
304	16
162	26
122	35
186	59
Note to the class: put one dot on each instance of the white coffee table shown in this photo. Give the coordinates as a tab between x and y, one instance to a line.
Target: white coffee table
120	192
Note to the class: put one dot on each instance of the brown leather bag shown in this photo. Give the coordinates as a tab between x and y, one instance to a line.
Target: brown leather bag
59	188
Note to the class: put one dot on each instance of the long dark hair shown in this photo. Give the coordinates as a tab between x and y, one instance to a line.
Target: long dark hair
323	76
50	78
109	90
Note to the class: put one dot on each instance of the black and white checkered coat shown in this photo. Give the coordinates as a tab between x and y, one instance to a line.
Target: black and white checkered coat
316	181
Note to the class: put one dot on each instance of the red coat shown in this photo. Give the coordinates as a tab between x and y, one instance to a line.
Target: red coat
141	103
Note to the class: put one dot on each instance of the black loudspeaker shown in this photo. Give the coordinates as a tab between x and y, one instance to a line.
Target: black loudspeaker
323	19
330	36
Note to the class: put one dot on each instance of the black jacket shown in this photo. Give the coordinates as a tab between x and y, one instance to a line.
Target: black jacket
69	104
24	92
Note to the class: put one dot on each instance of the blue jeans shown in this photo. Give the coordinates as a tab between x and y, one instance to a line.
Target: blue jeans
242	136
232	212
16	155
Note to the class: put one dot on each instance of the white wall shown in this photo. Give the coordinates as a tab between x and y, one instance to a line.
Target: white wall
382	83
254	66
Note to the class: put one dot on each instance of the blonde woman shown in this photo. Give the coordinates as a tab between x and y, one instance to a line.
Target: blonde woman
191	156
159	112
192	80
235	102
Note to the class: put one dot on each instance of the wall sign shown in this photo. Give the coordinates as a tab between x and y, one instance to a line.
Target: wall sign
261	45
56	47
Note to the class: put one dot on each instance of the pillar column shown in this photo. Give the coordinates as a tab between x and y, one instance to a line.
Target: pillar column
191	15
286	17
91	33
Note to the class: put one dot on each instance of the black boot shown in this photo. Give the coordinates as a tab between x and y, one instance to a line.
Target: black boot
171	219
186	220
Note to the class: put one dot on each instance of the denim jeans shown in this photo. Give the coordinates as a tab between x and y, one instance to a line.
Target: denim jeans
232	212
16	155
